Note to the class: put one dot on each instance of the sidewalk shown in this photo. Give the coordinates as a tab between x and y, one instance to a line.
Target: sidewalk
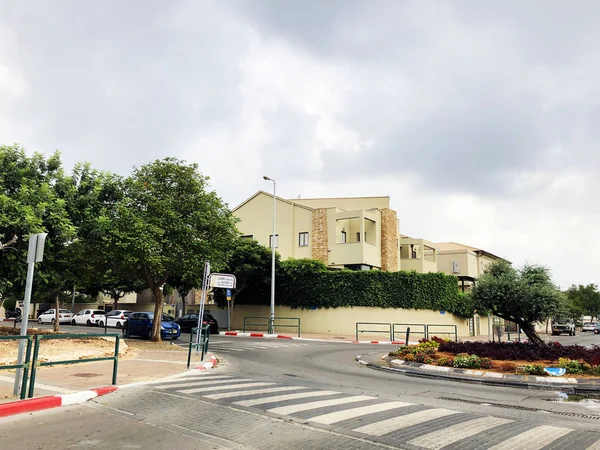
144	361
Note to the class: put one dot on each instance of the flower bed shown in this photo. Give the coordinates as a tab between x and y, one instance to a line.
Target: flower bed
522	358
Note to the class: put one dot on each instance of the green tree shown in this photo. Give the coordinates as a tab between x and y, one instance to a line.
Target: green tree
30	203
166	225
585	300
523	296
250	262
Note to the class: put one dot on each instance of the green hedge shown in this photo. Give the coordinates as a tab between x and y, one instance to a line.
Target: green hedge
304	284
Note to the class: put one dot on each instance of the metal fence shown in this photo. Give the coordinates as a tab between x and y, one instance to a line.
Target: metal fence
265	322
374	328
451	330
36	349
415	328
203	344
25	365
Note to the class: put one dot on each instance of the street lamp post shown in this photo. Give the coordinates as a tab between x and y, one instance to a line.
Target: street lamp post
272	318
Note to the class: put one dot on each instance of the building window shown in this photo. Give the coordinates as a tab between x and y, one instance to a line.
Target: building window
276	241
247	236
343	237
303	239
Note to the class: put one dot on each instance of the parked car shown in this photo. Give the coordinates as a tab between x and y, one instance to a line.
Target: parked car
563	326
597	329
189	321
140	324
115	318
88	317
48	316
588	326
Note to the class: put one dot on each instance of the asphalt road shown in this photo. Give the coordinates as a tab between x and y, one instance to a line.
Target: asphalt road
205	412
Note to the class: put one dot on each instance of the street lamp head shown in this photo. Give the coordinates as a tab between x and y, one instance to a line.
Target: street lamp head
268	179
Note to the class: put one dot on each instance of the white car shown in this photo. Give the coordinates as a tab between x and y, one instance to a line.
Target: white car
588	326
116	318
88	317
64	316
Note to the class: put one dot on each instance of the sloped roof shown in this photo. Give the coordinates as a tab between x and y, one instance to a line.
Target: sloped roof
269	195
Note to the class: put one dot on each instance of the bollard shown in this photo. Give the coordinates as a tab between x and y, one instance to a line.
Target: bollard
407	335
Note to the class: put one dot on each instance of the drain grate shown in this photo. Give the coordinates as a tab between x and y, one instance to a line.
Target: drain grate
521	408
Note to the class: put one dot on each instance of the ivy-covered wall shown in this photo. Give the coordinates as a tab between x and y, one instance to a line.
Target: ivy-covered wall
307	284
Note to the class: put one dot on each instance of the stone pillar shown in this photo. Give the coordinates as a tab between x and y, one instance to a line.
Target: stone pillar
320	242
389	240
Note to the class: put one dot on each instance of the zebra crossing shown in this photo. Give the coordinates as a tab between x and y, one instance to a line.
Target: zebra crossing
236	345
396	423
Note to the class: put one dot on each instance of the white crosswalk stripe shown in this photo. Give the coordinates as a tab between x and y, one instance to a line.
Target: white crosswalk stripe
204	383
284	410
594	446
259	391
533	439
225	388
334	417
395	423
455	433
235	345
281	398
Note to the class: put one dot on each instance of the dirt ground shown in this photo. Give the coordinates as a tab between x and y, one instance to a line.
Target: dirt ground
60	349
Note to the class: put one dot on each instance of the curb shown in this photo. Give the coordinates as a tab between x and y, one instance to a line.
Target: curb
209	364
570	385
283	336
53	401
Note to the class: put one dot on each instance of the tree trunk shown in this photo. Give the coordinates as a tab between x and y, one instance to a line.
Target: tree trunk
56	314
531	334
158	309
547	323
115	301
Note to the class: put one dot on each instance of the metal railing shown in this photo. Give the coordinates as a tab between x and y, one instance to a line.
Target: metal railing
36	349
270	325
25	365
454	331
384	328
203	344
400	328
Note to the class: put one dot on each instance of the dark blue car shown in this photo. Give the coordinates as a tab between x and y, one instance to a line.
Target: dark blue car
140	324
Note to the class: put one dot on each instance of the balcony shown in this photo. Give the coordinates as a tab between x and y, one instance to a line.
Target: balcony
418	255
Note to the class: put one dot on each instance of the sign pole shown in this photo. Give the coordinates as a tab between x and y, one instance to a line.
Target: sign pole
35	253
202	298
228	292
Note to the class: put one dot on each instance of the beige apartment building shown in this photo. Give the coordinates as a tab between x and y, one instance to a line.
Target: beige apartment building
465	262
419	255
360	233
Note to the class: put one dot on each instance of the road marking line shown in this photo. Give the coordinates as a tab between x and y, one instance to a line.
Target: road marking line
253	392
395	423
455	433
291	409
534	439
594	446
224	388
230	382
335	417
281	398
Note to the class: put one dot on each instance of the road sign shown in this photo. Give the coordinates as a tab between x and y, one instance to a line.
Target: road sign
222	280
228	293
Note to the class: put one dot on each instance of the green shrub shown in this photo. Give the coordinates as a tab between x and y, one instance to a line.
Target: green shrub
302	284
595	370
466	361
531	369
573	366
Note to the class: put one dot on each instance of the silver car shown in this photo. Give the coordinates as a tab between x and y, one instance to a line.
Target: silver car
588	326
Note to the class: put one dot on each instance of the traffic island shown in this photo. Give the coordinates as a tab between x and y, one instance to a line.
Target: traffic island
574	369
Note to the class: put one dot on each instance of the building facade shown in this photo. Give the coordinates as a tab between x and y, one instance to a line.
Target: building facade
359	233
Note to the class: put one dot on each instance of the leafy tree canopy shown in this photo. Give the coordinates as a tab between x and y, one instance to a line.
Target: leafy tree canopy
522	296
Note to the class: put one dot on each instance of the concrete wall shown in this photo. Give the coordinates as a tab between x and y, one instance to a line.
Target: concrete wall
342	321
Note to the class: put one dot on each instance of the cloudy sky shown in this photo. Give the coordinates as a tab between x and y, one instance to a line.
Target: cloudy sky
479	119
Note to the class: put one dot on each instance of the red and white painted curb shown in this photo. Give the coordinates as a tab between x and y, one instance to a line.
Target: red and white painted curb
283	336
211	363
53	401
